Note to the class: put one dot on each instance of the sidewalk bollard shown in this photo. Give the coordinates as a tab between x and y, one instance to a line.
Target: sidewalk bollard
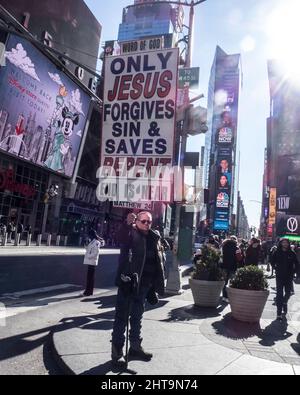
49	240
66	241
57	241
28	241
4	240
39	240
17	239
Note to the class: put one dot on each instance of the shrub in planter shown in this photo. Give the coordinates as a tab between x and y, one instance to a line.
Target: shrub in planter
250	278
207	280
207	267
248	294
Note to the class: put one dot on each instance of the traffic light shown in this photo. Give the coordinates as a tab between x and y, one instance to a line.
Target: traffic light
51	193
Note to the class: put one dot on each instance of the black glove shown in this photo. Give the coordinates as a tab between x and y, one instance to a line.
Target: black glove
152	297
129	284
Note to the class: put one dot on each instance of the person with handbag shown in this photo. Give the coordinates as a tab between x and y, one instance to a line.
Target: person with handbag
91	260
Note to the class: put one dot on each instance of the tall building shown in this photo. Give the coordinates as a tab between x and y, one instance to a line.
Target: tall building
60	25
221	162
242	225
283	155
149	20
57	104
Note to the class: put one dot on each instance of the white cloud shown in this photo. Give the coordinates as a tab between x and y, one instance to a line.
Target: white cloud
55	78
18	57
75	102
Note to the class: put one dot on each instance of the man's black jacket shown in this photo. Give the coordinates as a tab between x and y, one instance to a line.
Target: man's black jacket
133	256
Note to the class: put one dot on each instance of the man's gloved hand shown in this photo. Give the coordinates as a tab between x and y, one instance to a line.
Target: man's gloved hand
129	284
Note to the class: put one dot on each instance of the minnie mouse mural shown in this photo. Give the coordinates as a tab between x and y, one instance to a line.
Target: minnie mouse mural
62	147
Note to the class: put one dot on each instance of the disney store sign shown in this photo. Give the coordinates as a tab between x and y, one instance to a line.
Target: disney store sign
8	183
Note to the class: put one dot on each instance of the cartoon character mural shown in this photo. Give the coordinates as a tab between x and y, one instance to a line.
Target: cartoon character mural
61	153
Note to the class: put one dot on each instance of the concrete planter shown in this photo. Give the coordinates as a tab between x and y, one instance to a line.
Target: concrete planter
206	293
247	306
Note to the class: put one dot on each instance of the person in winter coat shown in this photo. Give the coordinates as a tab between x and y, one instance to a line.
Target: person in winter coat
230	253
140	276
253	253
91	260
271	253
286	265
213	242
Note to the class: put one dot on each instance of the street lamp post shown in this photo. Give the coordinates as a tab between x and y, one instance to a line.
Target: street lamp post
174	277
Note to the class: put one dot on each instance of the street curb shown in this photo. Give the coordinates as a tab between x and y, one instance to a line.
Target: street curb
66	370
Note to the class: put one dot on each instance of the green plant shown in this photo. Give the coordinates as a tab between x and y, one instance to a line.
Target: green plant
250	278
207	266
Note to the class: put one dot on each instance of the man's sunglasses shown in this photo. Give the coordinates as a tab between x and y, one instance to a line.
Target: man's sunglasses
144	222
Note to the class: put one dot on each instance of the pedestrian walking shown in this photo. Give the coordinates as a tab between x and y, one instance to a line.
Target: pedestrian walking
243	248
140	277
91	260
253	253
286	265
229	264
213	242
271	253
20	230
9	231
3	231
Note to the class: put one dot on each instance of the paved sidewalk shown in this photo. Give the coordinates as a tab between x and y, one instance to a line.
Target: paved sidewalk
184	339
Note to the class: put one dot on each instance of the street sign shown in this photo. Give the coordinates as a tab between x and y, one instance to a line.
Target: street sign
150	44
189	76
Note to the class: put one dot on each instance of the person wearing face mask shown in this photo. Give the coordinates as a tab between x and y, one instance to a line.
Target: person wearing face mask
286	265
253	253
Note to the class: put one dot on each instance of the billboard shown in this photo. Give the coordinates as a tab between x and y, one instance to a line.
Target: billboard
285	144
224	135
42	111
139	111
272	206
288	225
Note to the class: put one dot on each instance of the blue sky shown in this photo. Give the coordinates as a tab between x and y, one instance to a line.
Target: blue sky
237	26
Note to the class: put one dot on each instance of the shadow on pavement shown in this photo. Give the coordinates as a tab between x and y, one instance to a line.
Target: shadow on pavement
191	312
106	368
23	343
275	332
236	330
296	346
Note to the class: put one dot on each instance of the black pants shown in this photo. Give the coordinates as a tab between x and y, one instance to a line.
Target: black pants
228	276
90	280
284	289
